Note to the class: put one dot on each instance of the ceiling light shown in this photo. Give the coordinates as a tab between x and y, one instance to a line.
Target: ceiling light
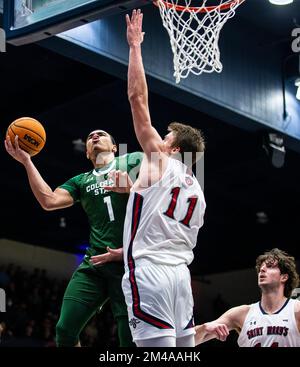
275	149
281	2
262	218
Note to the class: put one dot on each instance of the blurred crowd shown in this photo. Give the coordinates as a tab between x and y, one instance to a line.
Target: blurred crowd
33	301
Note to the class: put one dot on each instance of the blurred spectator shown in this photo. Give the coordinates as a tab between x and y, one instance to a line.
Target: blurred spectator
33	304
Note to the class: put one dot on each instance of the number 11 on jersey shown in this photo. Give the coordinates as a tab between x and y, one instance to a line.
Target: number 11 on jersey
192	201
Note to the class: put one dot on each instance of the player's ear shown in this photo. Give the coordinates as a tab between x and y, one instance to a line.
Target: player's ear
285	277
175	150
114	149
87	155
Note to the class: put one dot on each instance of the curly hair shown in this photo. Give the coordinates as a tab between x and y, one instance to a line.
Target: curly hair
286	264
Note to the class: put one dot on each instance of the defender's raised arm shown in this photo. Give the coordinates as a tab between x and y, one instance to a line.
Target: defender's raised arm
147	136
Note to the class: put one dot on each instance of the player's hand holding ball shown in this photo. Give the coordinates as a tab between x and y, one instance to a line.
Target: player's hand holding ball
25	137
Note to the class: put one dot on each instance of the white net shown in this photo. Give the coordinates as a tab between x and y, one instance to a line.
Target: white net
194	33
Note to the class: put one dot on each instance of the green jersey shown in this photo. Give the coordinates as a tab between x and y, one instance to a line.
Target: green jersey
105	209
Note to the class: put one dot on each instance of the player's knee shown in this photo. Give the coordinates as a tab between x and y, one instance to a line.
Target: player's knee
65	338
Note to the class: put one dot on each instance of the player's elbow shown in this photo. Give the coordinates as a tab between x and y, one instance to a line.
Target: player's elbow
47	206
49	209
49	203
136	98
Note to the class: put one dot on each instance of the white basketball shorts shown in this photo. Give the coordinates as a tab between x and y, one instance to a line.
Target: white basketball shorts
159	300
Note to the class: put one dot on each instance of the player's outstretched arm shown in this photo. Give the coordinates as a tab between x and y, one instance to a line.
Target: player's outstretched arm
48	199
220	328
147	136
210	330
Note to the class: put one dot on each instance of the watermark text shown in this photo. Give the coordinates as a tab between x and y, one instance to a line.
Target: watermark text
2	40
2	300
296	41
155	168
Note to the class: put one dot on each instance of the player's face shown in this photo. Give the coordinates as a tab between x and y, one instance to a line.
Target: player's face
168	142
99	141
269	275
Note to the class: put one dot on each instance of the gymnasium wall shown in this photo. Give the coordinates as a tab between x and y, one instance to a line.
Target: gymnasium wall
58	264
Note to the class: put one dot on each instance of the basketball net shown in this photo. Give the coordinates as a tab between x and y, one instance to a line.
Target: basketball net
194	33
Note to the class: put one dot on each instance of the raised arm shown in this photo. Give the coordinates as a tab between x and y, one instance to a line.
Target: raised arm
147	136
232	319
48	199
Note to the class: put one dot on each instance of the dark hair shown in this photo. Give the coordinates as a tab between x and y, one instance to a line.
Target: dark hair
286	265
188	139
112	139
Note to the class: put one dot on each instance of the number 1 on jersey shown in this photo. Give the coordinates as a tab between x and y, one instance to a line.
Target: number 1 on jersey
172	206
107	201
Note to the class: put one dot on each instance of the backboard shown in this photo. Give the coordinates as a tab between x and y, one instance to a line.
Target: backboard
27	21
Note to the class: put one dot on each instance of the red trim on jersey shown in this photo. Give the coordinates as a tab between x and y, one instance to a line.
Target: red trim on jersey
152	320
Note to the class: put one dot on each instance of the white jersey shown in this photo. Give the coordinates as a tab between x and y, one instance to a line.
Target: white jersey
163	220
270	330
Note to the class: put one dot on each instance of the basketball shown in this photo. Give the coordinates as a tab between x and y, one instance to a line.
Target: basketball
31	133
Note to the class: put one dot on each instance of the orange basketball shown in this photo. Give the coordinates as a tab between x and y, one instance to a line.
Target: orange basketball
32	135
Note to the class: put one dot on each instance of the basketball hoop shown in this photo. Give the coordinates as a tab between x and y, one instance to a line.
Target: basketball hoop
194	33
